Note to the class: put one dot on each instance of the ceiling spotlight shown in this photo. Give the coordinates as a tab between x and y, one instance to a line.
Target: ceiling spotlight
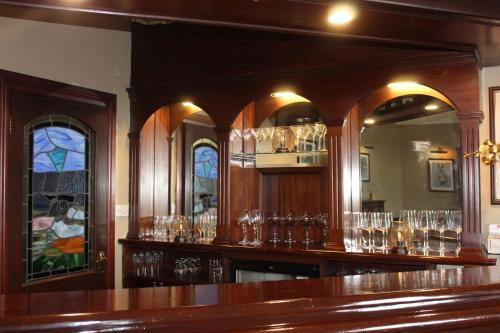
283	94
341	14
370	121
403	85
431	107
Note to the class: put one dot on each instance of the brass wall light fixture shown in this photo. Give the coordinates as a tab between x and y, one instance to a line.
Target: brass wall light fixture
489	152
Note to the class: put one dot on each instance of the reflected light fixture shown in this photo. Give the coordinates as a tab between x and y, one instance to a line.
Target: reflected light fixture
431	107
370	121
403	85
283	94
188	104
341	14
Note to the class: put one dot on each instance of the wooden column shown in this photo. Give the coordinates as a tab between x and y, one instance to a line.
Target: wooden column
134	179
334	187
471	204
223	192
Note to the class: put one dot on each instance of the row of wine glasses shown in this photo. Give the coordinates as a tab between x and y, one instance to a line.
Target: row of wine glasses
256	218
253	218
149	263
427	221
295	138
411	230
187	268
206	227
169	228
371	222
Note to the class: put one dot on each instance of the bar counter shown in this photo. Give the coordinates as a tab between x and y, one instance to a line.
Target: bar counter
459	299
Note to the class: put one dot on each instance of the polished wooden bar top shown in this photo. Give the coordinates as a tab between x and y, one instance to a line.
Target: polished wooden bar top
319	252
429	301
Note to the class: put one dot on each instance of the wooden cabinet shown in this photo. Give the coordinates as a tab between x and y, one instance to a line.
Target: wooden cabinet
373	205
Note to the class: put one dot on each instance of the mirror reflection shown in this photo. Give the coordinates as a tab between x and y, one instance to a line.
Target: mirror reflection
179	163
410	156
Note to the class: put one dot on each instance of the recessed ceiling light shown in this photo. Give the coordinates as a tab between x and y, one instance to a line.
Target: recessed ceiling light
341	14
431	107
283	94
370	121
403	85
187	104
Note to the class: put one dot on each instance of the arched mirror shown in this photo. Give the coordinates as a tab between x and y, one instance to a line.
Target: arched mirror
178	165
410	156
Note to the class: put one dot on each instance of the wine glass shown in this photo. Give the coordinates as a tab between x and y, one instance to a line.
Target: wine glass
368	224
297	132
322	221
274	220
307	220
425	218
243	221
307	133
270	134
384	225
257	135
454	223
357	228
322	130
315	133
256	218
290	223
441	217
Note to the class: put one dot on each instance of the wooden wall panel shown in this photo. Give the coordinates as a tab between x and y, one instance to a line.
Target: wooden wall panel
161	162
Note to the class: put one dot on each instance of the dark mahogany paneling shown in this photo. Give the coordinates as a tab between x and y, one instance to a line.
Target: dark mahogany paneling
426	24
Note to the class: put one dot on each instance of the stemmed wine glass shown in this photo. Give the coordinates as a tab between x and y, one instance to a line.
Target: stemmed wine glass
297	132
384	225
368	225
307	221
454	223
357	228
243	221
322	221
259	136
274	220
315	133
290	223
308	131
256	220
321	135
270	135
425	219
441	224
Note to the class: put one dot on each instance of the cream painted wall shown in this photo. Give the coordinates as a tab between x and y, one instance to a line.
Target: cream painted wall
82	56
490	77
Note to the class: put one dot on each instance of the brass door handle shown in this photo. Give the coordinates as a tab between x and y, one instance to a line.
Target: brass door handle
101	261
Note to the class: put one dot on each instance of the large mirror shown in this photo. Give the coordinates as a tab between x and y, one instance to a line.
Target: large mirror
410	156
178	166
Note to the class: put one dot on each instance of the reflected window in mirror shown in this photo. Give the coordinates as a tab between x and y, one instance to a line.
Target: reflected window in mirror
410	156
204	166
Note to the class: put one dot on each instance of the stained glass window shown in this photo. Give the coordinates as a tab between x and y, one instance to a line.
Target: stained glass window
204	176
58	188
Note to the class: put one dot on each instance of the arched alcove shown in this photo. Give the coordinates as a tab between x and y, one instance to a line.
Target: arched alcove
167	164
433	131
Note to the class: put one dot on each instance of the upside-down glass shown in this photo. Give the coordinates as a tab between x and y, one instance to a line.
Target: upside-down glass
290	223
307	221
274	220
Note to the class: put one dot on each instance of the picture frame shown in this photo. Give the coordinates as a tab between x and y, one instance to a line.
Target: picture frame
365	167
441	175
494	105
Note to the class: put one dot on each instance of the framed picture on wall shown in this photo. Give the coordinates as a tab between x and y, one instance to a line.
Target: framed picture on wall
494	93
365	167
441	178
